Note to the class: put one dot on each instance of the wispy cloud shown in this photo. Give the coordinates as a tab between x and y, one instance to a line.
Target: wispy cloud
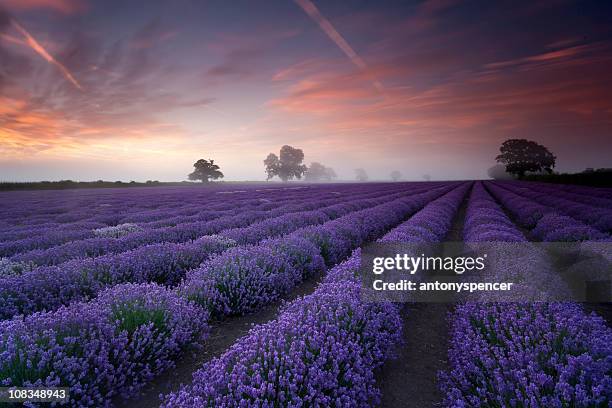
40	50
546	57
128	95
327	27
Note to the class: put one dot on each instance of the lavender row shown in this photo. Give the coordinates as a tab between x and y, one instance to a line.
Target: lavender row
263	202
47	238
178	233
323	349
130	206
531	355
242	279
46	288
69	206
485	221
99	246
583	195
433	222
93	247
544	223
167	216
322	211
108	347
104	348
600	218
116	206
524	354
530	271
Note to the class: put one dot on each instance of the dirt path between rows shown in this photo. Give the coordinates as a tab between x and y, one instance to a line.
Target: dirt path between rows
222	336
410	379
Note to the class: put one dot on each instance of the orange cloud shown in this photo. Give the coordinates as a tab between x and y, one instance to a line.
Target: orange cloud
27	130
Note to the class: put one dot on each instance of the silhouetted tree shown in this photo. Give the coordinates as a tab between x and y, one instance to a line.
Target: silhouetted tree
361	175
318	172
288	166
498	172
396	175
205	170
521	156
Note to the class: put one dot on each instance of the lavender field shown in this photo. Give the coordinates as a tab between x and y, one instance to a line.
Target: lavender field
110	292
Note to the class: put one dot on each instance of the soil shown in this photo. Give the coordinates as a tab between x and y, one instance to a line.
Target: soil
410	379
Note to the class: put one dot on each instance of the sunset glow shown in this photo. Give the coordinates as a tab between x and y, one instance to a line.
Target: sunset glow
135	91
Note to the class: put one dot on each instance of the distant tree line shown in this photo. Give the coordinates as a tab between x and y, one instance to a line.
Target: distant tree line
70	184
601	178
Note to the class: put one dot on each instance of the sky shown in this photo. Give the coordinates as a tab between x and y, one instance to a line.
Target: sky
139	90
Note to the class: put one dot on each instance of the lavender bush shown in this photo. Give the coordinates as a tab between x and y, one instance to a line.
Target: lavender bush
9	268
321	351
530	355
103	348
46	288
242	279
524	354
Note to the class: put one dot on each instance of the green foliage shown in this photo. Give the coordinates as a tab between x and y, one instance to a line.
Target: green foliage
134	314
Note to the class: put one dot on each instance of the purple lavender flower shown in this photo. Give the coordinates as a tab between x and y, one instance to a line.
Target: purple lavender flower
103	348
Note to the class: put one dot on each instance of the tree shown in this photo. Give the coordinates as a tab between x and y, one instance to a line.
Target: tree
288	166
396	175
498	172
318	172
330	174
361	175
205	170
521	156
